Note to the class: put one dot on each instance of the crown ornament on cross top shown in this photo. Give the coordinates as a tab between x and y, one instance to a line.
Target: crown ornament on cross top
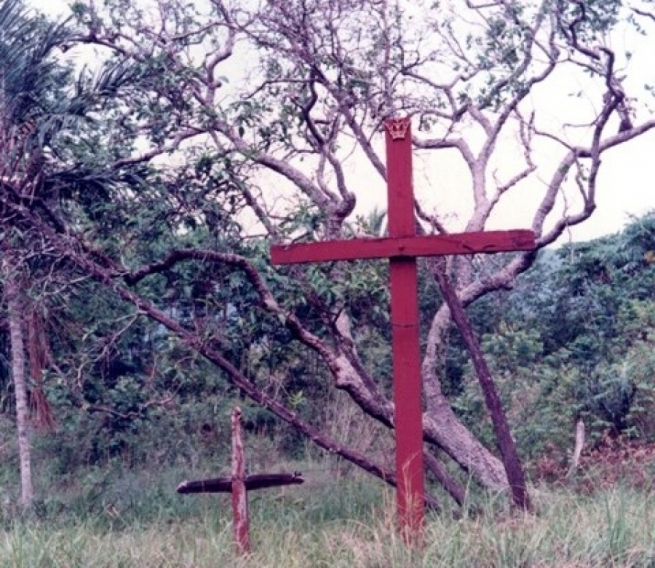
397	127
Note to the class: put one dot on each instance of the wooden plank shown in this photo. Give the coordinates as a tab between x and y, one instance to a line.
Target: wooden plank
253	482
239	494
408	423
404	247
400	193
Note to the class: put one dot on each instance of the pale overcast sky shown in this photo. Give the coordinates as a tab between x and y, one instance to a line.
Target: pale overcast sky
625	184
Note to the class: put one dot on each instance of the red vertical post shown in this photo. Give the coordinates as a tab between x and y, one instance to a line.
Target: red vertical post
239	494
405	333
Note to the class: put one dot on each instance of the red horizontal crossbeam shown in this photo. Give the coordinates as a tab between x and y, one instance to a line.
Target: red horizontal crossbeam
404	247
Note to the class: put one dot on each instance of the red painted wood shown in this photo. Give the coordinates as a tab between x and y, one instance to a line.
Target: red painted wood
408	423
413	246
239	494
400	210
402	247
407	395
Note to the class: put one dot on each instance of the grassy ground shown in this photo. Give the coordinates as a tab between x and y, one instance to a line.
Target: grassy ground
137	520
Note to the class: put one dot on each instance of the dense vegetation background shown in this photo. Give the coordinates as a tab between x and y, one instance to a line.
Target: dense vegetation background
139	197
572	340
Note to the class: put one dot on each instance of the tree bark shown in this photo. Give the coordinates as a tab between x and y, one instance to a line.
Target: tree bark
443	427
511	461
14	305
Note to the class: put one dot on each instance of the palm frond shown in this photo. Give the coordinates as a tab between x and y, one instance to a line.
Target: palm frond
28	69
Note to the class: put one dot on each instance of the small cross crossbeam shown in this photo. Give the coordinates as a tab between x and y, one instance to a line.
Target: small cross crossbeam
402	248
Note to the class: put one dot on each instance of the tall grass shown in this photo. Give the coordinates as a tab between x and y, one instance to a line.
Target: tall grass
137	520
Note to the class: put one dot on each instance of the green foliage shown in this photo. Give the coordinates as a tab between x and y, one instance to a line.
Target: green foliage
574	339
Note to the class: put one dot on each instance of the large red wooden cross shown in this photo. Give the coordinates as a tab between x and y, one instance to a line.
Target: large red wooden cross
402	247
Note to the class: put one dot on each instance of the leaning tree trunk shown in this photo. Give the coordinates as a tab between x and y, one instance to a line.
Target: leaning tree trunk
504	439
13	297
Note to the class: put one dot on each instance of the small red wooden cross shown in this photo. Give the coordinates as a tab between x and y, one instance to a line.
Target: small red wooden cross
239	484
402	247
